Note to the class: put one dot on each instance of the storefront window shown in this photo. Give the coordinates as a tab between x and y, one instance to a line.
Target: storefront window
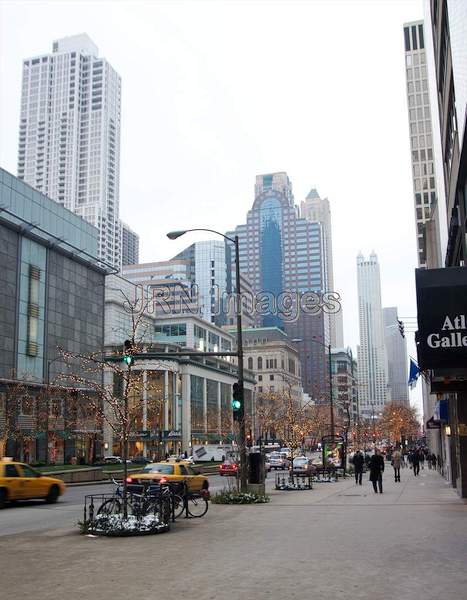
212	406
197	401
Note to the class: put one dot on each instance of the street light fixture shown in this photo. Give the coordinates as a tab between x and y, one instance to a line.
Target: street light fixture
173	235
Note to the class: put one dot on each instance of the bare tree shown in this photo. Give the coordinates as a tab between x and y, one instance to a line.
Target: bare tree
116	390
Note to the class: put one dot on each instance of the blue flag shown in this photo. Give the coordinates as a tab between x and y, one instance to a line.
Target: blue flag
414	374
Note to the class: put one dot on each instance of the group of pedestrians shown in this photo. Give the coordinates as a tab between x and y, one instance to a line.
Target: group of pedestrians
376	466
416	458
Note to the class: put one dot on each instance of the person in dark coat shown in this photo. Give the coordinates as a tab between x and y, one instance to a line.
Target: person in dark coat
416	462
376	471
358	462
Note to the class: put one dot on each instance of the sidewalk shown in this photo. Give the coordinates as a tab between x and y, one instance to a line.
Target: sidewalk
336	541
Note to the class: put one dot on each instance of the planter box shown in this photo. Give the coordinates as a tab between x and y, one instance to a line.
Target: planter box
78	475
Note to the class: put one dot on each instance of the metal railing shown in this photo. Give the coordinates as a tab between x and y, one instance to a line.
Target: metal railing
150	508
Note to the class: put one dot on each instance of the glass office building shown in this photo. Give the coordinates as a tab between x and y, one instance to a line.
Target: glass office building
51	298
283	256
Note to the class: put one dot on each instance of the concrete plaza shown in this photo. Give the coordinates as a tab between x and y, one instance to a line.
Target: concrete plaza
337	541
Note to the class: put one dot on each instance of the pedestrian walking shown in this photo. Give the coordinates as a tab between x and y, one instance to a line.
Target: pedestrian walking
376	471
422	458
396	463
416	462
433	461
358	462
428	460
404	458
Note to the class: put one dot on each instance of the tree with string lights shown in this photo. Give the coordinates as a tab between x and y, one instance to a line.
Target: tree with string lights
397	421
114	389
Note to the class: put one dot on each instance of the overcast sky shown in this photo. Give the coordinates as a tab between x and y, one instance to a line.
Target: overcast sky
214	93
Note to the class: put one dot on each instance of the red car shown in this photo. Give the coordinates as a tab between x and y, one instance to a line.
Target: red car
228	469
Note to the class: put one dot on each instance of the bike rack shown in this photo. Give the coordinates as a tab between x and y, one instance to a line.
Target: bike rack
293	482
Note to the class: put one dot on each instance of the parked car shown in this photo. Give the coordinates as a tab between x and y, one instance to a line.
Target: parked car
228	468
178	458
112	460
165	471
21	482
278	461
140	460
302	466
317	462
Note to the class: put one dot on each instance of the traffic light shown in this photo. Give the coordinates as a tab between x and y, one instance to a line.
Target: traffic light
401	327
237	401
128	353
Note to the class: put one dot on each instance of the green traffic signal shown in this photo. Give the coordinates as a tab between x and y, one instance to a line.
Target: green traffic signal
127	353
237	402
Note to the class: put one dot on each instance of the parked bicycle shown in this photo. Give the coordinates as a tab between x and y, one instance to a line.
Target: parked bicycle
149	501
155	497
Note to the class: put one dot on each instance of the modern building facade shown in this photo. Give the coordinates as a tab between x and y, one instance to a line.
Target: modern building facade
318	210
345	384
448	28
208	271
283	256
130	246
425	190
396	349
447	32
51	301
69	135
195	393
372	358
167	285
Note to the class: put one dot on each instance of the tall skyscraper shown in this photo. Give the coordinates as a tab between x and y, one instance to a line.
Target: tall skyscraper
421	143
448	20
317	209
209	272
130	246
396	350
69	138
283	256
372	358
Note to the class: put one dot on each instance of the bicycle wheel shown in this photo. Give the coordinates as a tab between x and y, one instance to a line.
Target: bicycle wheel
178	505
110	507
197	506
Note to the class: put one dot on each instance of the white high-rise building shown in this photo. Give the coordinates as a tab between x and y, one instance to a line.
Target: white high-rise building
315	208
69	138
372	358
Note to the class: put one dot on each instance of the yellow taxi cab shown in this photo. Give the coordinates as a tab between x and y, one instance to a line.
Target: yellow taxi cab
21	482
171	472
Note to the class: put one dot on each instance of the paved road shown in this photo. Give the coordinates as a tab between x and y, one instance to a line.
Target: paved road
36	515
338	541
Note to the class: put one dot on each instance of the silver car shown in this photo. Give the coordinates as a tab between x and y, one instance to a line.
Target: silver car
302	466
277	461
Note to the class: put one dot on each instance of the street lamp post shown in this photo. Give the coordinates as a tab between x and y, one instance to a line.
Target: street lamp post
173	235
